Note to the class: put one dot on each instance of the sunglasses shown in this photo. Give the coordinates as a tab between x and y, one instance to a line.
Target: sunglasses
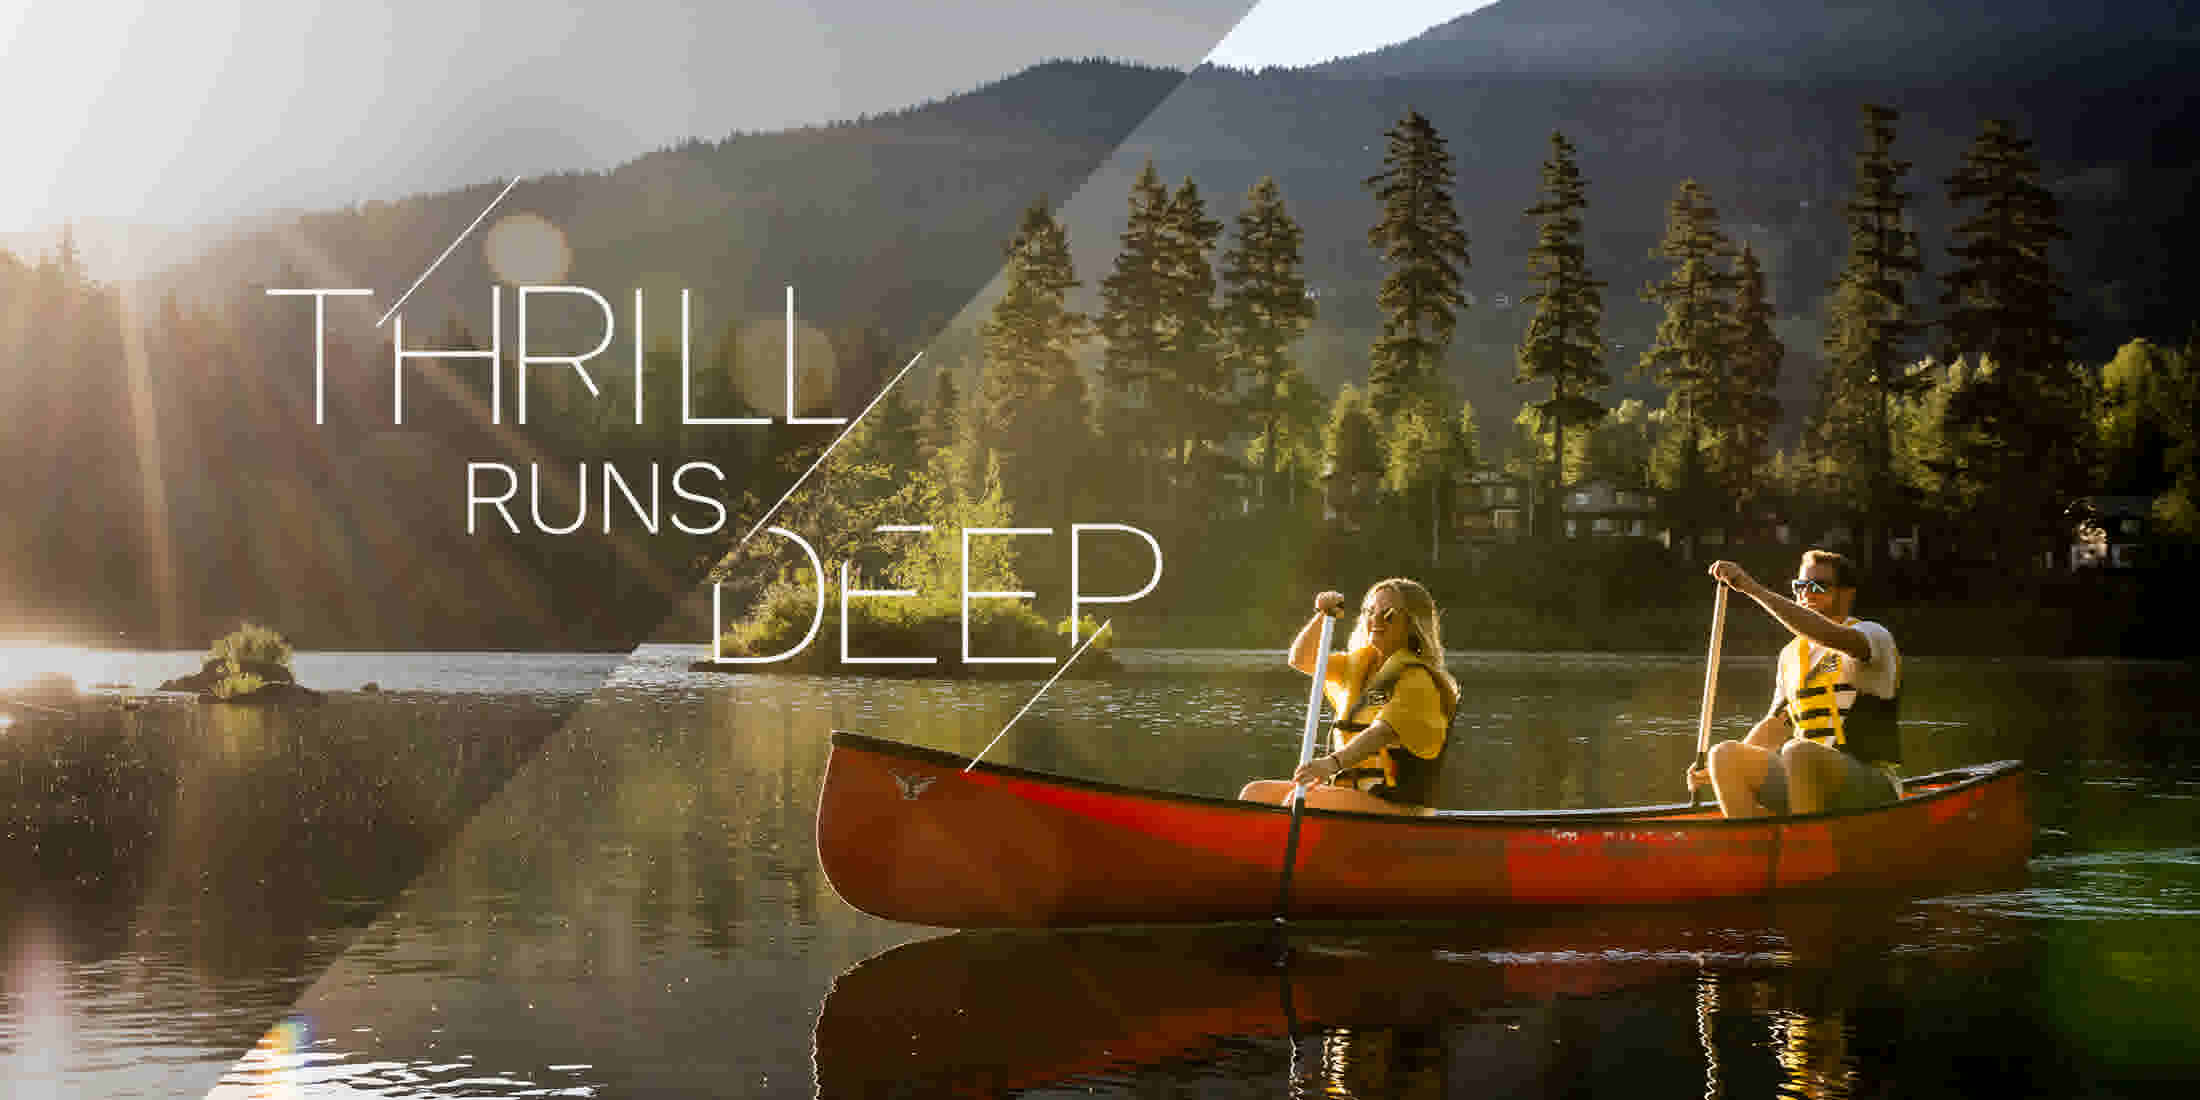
1378	618
1801	586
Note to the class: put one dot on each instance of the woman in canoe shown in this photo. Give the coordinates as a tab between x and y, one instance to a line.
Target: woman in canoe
1395	700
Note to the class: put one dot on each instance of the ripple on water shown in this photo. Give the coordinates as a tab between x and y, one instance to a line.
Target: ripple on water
264	1072
2099	886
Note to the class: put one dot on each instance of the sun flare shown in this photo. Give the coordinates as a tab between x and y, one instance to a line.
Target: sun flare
526	250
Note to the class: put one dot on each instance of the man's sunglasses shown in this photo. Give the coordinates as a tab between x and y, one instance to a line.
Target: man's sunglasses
1801	586
1378	618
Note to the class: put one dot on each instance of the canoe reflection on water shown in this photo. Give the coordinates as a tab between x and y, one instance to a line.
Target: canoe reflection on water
1655	1002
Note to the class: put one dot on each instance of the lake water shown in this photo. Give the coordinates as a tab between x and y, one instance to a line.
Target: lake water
489	879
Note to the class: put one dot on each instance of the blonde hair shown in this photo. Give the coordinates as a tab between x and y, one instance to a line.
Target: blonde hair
1424	627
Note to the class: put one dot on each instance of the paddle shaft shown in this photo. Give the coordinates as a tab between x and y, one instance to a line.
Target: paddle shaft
1306	756
1710	690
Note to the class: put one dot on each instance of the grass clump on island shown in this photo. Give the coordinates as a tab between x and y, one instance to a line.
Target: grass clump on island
243	652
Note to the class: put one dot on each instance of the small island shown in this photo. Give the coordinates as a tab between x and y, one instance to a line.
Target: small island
249	665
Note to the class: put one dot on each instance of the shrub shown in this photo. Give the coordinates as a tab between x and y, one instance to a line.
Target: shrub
236	684
1088	628
251	642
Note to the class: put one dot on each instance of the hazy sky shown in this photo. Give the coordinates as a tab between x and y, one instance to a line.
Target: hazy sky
166	114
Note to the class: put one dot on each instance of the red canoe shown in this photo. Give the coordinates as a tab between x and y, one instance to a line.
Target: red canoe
906	834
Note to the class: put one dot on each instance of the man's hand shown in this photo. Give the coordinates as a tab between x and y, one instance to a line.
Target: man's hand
1698	778
1733	576
1329	603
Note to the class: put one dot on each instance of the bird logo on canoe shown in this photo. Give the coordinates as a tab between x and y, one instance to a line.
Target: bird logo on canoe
912	785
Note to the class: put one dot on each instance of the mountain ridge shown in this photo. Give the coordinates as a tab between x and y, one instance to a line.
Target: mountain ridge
1860	39
896	220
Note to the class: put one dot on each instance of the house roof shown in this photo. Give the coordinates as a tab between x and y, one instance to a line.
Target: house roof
2118	507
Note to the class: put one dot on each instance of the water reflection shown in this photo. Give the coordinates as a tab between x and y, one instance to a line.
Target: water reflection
177	874
1737	1000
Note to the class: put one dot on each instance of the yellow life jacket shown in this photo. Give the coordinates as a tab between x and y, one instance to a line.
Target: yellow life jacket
1411	778
1827	707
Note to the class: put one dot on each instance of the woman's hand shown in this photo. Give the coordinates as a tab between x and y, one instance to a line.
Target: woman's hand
1698	778
1321	769
1302	653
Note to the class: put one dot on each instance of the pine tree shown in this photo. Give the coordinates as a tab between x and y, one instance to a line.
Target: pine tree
942	424
1193	386
1564	345
895	438
2003	293
1690	351
1748	409
2025	399
1265	310
1869	324
1034	415
1424	452
1355	452
1294	450
1134	304
1619	447
1467	432
2176	411
1421	239
1924	447
65	265
2139	416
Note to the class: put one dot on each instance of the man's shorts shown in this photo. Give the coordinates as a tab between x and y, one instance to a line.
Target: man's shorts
1862	786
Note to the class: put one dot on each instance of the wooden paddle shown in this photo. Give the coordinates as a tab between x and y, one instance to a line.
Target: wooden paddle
1306	756
1710	691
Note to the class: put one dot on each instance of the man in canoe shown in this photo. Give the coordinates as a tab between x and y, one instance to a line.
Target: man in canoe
1830	741
1395	701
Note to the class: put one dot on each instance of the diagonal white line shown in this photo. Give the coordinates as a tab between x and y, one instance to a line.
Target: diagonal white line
1042	691
447	252
828	450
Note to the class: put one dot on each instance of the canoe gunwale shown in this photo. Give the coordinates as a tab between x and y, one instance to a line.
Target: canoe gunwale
1950	781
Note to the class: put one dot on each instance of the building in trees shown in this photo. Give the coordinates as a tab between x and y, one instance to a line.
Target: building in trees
1494	506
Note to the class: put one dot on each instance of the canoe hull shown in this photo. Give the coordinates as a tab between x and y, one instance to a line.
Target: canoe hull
906	834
